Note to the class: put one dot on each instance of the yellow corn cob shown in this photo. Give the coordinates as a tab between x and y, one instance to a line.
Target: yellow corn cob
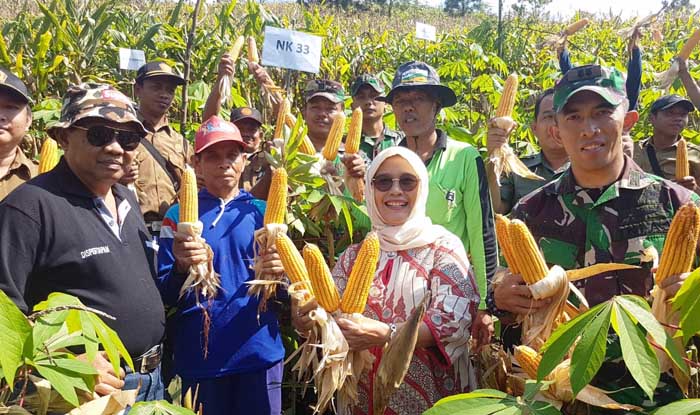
292	262
352	142
502	224
682	238
682	167
575	27
281	118
335	136
236	48
276	209
306	146
252	50
49	155
361	276
507	102
526	255
690	45
321	280
528	359
189	211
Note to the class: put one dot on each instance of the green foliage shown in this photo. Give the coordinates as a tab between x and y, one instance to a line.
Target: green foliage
489	401
687	303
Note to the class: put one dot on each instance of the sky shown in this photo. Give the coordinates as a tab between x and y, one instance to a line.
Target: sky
567	8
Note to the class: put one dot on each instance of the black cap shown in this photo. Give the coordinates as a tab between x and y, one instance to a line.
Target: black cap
152	69
242	113
369	80
420	75
668	101
12	83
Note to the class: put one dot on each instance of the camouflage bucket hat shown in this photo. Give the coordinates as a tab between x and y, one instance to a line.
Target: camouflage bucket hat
153	69
328	89
366	79
609	83
95	101
10	82
420	75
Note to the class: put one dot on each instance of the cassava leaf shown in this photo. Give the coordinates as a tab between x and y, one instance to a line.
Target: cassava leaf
589	353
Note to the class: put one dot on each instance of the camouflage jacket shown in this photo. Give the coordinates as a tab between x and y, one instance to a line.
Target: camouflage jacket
514	187
371	146
577	227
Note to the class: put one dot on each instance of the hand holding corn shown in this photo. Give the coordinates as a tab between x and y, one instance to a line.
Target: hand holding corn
187	252
514	296
363	333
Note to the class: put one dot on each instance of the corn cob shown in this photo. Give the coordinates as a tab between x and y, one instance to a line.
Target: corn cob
292	262
335	136
526	255
321	280
236	48
575	27
681	240
355	296
690	45
276	209
352	142
528	359
189	211
502	224
507	102
281	118
253	50
49	155
682	167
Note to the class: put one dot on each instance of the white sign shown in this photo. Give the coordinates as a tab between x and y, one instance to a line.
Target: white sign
425	31
292	50
131	59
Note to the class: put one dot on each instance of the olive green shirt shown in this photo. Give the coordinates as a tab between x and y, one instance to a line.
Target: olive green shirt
667	159
514	187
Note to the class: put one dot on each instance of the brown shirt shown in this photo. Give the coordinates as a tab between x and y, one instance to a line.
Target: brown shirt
255	168
154	189
21	170
667	159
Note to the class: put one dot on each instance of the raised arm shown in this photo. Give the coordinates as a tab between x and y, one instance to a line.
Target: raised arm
689	83
213	104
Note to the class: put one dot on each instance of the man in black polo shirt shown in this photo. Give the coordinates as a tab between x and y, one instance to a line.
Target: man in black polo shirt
75	230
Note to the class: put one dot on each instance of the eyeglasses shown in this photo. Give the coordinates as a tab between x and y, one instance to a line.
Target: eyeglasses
384	183
100	136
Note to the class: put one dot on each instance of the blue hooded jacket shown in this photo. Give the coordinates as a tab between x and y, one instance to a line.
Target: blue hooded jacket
239	342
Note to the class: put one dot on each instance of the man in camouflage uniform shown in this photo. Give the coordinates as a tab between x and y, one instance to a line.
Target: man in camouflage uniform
376	136
657	154
15	120
603	209
162	156
549	163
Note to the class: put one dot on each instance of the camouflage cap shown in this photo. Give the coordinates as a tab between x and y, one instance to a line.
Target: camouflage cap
328	89
366	79
95	101
420	75
609	83
243	113
10	82
152	69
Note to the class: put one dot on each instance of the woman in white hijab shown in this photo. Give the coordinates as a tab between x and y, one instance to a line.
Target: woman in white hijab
417	258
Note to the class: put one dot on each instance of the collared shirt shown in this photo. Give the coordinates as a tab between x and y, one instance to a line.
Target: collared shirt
256	167
371	146
155	191
667	159
21	170
55	239
514	187
577	227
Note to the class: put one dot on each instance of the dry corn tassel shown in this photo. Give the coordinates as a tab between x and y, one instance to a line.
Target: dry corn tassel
202	278
324	288
264	285
667	78
557	41
676	258
356	185
49	155
227	80
503	158
682	166
560	391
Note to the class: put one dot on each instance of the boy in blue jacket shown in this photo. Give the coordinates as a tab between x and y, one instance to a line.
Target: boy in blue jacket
242	372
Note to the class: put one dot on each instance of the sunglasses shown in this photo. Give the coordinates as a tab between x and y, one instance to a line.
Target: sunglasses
100	136
384	183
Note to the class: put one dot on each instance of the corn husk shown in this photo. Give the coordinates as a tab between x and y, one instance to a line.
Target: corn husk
504	159
227	81
264	286
358	362
639	23
669	76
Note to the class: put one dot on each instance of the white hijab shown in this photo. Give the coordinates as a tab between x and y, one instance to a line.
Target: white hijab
418	230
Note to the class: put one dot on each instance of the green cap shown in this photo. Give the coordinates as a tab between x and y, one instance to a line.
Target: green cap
366	79
328	89
609	83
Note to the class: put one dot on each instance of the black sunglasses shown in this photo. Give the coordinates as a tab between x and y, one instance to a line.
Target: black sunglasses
384	183
100	136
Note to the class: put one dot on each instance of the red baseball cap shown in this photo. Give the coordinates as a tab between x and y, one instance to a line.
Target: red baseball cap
215	130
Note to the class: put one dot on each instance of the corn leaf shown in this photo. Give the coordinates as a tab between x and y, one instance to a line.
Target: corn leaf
589	353
687	302
14	332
